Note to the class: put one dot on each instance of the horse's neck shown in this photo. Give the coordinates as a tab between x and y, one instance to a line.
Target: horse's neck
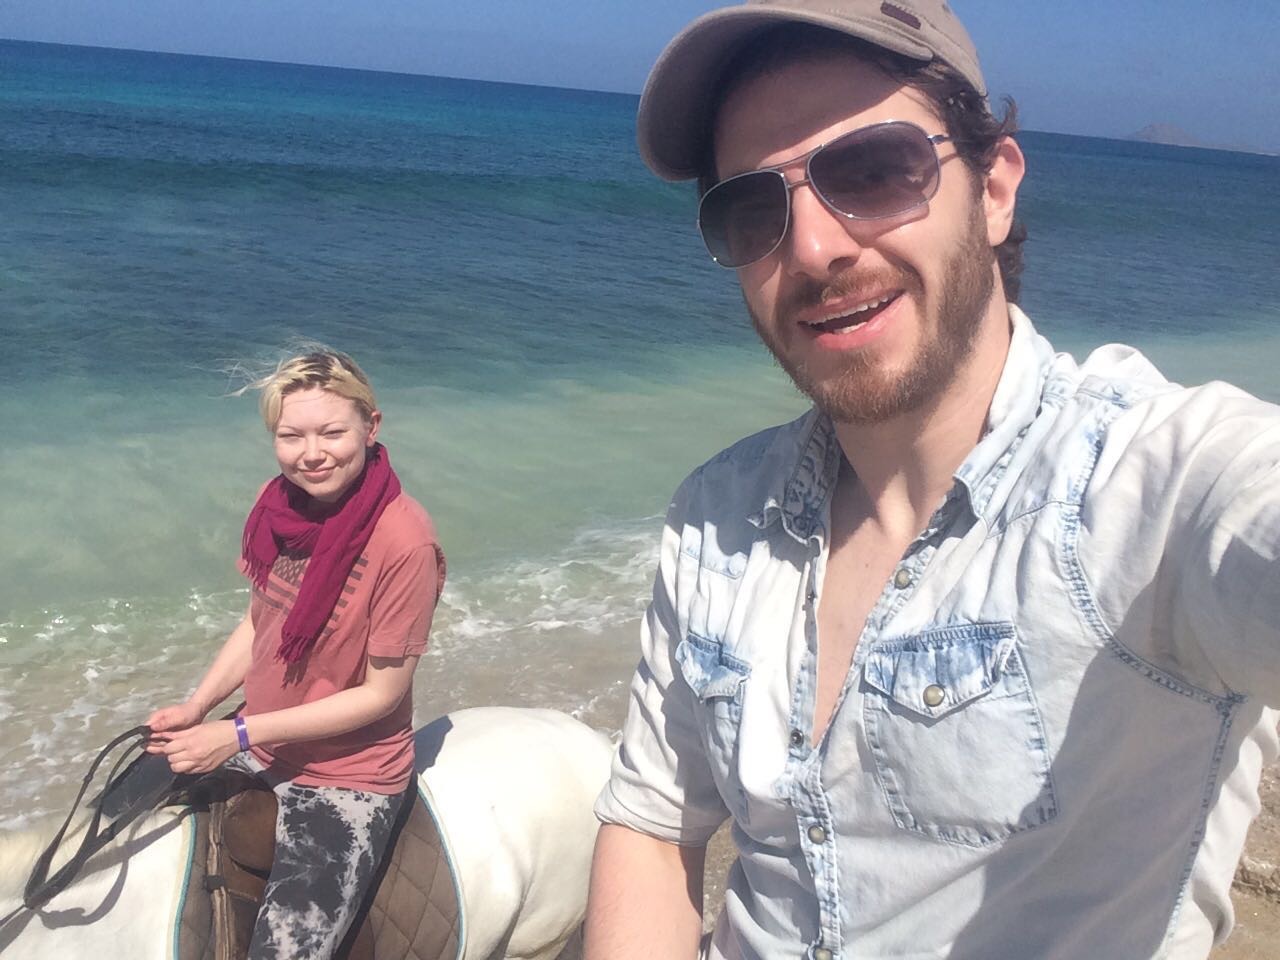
129	892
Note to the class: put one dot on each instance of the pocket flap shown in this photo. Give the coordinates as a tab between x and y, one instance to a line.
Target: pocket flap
934	672
708	669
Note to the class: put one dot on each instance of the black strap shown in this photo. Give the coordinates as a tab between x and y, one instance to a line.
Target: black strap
123	803
41	888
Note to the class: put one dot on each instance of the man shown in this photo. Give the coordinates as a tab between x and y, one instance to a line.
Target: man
978	654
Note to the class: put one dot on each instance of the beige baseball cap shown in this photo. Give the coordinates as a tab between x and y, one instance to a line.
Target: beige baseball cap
676	103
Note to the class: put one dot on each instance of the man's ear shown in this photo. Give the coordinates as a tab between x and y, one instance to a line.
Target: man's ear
1001	190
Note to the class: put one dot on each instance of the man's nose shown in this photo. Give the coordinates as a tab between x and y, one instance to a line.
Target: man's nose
819	241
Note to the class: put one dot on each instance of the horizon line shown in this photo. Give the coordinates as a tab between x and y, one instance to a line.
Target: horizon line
1131	138
322	66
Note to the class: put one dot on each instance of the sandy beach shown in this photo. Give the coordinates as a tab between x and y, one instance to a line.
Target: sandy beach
1257	888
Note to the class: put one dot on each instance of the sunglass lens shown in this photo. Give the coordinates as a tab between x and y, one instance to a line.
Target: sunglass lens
743	218
878	171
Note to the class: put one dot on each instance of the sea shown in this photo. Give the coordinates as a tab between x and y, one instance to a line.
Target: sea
552	349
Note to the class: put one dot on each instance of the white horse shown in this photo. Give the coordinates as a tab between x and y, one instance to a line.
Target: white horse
512	791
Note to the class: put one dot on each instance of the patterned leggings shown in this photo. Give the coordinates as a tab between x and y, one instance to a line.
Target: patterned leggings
329	841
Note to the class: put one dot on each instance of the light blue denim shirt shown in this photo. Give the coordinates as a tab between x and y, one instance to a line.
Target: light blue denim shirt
1049	743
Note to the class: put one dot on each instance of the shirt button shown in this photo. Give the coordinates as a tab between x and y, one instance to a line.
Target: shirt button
818	835
902	579
934	695
822	953
797	738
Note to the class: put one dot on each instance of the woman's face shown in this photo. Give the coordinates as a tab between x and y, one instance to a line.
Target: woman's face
321	441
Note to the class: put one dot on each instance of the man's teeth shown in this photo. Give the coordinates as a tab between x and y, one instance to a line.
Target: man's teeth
873	305
852	314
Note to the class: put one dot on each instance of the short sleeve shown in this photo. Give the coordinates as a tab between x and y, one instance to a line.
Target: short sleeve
661	783
404	601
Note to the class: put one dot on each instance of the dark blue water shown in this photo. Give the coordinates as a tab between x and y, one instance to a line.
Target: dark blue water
215	202
206	200
1136	241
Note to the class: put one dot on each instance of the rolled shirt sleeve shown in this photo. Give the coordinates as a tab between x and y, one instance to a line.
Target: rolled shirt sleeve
661	783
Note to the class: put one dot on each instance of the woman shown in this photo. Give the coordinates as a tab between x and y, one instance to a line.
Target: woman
346	572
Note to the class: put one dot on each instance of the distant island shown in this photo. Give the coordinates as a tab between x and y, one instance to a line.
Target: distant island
1172	136
1167	134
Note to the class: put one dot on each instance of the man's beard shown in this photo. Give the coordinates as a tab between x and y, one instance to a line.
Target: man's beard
862	393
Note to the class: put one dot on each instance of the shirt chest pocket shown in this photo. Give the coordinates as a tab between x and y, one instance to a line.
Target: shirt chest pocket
958	741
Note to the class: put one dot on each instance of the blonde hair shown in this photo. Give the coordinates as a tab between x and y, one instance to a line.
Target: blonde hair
321	367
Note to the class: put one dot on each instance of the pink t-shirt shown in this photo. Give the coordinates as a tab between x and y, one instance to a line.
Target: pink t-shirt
385	611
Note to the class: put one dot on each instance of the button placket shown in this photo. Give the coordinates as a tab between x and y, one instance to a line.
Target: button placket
818	848
802	694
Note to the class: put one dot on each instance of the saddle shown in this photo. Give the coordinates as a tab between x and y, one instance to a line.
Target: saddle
412	912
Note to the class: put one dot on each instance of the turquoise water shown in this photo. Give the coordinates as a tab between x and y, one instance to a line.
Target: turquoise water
551	347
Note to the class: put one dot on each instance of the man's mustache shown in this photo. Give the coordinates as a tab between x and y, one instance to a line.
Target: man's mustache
851	283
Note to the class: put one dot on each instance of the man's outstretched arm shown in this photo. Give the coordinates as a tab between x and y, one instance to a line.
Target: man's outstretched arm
646	898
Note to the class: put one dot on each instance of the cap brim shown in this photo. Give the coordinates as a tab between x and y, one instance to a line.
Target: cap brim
676	104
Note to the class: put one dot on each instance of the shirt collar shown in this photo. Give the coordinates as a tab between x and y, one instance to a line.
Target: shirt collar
1013	407
798	497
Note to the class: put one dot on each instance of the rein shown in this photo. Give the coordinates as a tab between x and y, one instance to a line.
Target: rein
41	887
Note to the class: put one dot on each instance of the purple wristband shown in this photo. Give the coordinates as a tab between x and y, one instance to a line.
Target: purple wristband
242	734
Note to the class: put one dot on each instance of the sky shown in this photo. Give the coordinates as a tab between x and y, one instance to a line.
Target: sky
1095	67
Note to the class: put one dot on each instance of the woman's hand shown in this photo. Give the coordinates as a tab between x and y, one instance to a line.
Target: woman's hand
198	749
177	716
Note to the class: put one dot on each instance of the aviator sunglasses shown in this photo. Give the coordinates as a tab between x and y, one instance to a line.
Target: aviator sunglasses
870	173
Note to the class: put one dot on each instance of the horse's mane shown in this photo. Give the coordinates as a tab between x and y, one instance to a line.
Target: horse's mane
18	852
19	849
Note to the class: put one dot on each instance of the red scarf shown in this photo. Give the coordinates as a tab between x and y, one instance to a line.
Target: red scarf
332	535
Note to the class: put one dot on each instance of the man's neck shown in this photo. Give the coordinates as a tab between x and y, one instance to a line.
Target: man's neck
904	466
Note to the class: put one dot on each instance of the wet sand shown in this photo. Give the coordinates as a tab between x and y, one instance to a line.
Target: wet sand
1257	889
